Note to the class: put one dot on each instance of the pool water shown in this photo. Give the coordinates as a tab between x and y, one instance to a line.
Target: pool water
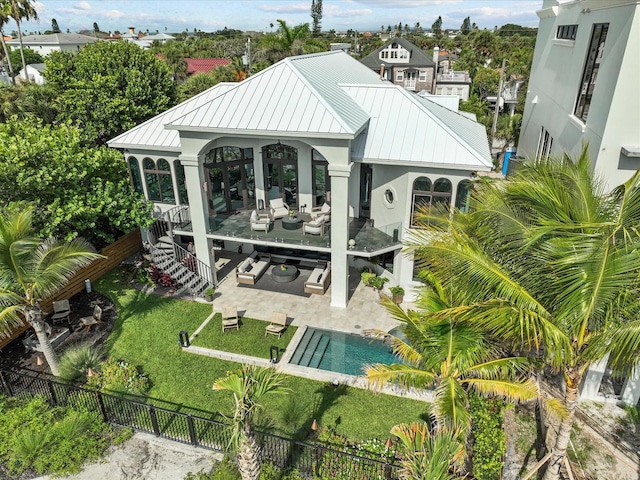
340	352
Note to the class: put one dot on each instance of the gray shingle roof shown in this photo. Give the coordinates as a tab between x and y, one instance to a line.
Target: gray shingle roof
417	57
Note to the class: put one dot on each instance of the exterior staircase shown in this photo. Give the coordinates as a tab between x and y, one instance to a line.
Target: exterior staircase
191	274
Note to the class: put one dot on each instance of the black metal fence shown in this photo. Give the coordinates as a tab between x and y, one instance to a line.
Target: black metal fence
309	459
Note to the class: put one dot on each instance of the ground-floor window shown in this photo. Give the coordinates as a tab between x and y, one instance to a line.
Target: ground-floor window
463	196
427	193
545	141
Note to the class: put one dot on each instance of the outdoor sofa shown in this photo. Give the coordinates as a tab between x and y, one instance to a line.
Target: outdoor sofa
252	268
319	280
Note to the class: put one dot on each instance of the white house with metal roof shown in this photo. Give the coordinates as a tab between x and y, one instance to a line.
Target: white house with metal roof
55	42
309	130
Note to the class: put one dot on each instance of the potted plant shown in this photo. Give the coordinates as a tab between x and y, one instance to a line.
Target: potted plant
397	294
208	294
367	278
378	282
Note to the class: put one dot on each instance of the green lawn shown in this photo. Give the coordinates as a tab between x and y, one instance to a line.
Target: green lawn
249	340
146	334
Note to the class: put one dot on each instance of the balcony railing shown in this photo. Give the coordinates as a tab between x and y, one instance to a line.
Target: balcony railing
238	227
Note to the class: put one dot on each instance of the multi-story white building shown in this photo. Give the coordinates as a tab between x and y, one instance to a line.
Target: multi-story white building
583	85
307	131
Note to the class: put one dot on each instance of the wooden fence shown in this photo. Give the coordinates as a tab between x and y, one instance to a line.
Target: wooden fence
124	247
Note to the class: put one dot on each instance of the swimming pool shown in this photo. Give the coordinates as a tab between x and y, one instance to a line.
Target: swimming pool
340	352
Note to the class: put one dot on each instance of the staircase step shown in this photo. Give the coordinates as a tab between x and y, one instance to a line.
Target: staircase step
310	350
302	346
319	353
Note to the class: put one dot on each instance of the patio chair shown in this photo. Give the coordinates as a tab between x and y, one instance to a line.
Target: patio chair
277	325
94	319
260	222
325	210
278	208
230	318
61	311
315	227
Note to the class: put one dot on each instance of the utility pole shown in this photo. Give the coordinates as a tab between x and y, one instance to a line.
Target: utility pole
246	58
495	112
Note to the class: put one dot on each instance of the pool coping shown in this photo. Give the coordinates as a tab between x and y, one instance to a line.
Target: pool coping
284	366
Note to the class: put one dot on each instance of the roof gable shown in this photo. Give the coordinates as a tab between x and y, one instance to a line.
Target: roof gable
417	57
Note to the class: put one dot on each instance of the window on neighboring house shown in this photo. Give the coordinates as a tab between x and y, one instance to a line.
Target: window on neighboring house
404	54
384	54
566	32
545	142
423	76
394	54
181	181
426	194
134	175
400	76
158	179
590	72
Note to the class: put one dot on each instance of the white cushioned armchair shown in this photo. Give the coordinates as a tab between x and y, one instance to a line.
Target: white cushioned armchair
260	222
315	226
325	210
278	208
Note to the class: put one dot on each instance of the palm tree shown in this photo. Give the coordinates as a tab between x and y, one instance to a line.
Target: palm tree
452	356
428	455
287	40
19	10
546	260
248	386
5	15
32	269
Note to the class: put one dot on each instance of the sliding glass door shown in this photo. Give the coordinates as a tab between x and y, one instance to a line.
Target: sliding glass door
281	173
230	179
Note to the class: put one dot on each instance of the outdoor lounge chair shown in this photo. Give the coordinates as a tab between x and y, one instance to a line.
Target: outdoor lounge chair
278	324
230	318
260	222
94	319
61	311
325	210
315	227
278	208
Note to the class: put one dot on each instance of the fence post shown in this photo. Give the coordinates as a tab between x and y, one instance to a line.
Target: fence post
317	455
5	385
154	420
192	430
100	403
52	393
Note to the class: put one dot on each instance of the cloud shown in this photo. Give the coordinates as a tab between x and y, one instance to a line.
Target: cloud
84	6
333	11
294	8
406	3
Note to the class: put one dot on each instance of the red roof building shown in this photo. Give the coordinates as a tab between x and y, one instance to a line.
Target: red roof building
204	65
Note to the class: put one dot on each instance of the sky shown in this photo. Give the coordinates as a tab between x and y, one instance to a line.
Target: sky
210	15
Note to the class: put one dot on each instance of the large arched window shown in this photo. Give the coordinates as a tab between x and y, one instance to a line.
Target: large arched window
158	179
463	196
134	175
426	194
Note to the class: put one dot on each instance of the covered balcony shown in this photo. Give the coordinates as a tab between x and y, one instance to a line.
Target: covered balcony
367	240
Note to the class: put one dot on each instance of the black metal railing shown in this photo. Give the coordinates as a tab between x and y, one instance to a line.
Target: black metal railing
309	459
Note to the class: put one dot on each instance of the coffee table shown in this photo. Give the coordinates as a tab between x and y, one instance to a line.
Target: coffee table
284	276
291	223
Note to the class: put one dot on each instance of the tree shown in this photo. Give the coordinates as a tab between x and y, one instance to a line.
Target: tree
109	87
465	28
436	28
287	40
96	29
248	386
32	269
428	455
29	55
203	81
551	264
19	10
316	16
485	82
54	26
4	19
28	101
75	190
452	356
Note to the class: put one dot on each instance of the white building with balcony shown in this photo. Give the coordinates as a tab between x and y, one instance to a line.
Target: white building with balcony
583	85
311	131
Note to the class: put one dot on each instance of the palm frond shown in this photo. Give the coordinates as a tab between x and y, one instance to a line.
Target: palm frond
405	375
451	406
511	391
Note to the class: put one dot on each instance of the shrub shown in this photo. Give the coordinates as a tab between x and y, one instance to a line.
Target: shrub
119	377
489	444
224	470
77	360
160	278
51	441
367	278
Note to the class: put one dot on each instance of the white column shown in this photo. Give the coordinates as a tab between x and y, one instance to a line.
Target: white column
590	389
339	234
198	206
631	390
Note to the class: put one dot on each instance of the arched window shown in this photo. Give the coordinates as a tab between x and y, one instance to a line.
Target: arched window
182	184
159	182
463	196
134	175
426	194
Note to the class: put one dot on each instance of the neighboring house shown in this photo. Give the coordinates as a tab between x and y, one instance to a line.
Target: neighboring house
55	42
583	89
448	80
583	85
34	71
308	130
404	64
204	65
159	37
